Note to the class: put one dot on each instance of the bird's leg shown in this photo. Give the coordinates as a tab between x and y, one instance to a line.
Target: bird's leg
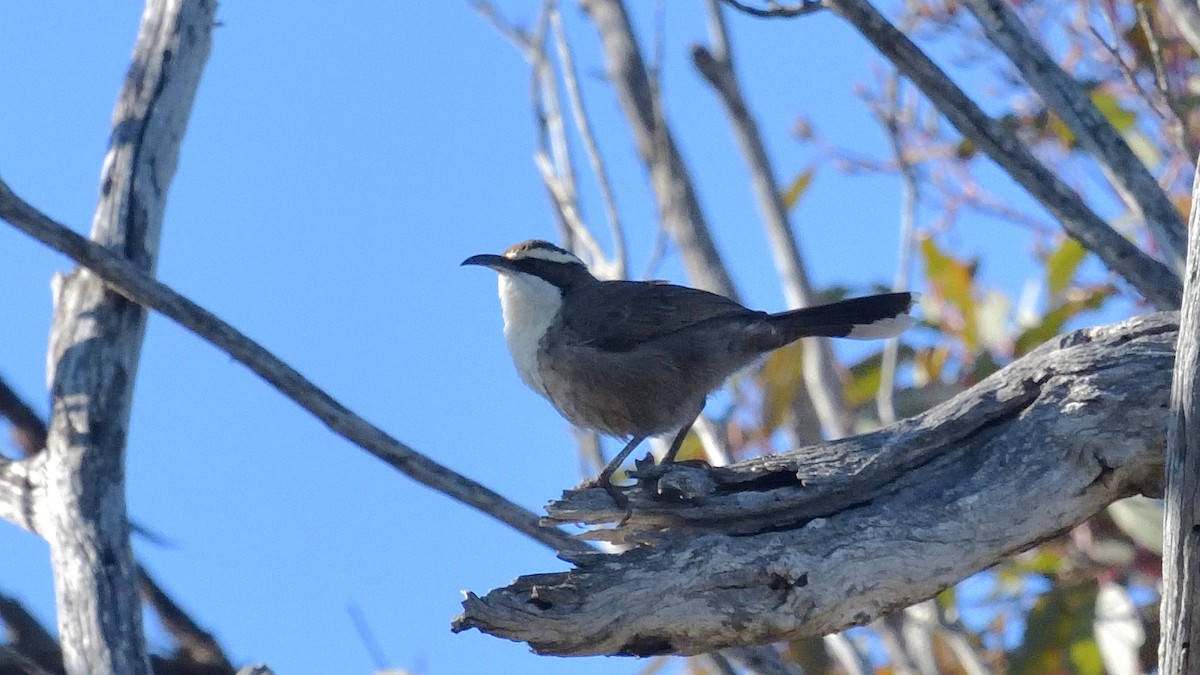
669	458
605	478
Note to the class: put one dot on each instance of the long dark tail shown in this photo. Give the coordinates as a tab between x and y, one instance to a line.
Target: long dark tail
867	318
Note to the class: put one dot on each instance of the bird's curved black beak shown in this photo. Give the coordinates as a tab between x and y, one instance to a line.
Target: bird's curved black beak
489	260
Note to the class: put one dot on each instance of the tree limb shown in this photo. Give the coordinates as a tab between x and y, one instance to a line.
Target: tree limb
1181	522
815	540
1151	278
678	206
196	649
131	283
95	343
821	377
1067	97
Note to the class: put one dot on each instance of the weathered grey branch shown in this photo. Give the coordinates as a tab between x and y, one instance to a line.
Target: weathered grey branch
1067	97
1151	278
1181	522
821	377
583	124
131	283
95	342
812	541
678	207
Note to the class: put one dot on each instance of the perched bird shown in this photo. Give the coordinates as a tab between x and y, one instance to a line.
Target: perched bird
634	359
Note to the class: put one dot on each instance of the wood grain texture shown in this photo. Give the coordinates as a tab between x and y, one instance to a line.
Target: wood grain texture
1181	518
812	541
95	343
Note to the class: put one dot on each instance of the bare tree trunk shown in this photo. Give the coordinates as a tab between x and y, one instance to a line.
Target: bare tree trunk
95	342
1181	529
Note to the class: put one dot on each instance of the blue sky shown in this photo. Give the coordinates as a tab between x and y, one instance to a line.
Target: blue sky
337	168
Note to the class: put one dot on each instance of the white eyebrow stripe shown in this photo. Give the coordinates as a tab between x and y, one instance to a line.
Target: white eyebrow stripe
546	254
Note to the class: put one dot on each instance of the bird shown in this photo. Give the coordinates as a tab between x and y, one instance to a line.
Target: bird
637	359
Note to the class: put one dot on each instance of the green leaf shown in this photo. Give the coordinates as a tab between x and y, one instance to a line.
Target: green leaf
1054	320
1145	149
1062	264
799	186
1059	634
779	378
929	365
692	448
1110	106
953	280
1044	560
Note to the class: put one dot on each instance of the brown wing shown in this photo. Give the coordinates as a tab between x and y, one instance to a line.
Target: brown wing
619	315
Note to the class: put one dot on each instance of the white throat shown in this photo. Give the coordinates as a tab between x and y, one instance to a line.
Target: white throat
530	305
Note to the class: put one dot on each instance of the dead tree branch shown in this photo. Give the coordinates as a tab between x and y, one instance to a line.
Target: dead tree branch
678	206
775	10
131	283
95	343
821	378
815	540
1181	523
1067	97
1151	278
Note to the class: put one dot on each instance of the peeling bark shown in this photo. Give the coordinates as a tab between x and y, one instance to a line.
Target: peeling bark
815	540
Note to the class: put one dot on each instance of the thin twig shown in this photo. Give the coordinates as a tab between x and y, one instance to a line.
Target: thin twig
520	39
551	130
1071	101
1186	15
1179	118
142	289
584	125
820	374
568	210
1151	278
367	636
196	646
889	117
679	207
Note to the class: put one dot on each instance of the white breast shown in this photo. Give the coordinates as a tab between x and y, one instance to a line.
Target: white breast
530	305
